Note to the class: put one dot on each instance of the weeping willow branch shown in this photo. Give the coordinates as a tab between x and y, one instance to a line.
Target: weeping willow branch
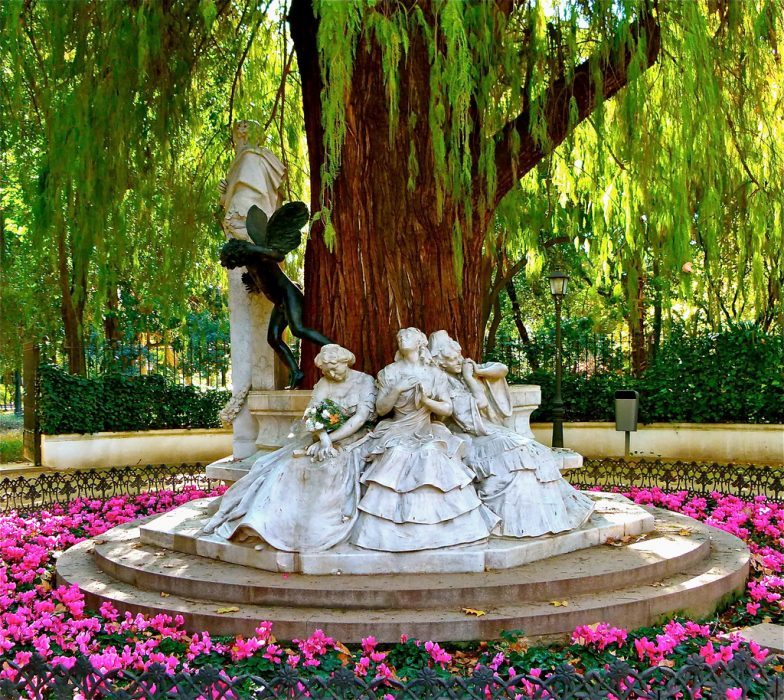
569	100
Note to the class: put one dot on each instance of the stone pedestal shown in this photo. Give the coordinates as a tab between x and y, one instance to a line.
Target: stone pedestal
683	565
252	359
179	530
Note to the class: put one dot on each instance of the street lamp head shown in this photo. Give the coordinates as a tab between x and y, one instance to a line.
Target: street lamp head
558	281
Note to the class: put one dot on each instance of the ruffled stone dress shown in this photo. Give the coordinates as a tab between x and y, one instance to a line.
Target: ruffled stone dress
292	502
518	478
418	491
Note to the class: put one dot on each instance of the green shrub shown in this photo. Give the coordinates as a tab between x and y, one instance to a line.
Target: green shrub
736	376
116	402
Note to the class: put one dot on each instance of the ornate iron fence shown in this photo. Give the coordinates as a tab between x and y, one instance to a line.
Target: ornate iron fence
694	678
48	488
745	480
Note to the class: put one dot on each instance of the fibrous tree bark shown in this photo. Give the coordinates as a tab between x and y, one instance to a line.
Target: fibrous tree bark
392	264
71	305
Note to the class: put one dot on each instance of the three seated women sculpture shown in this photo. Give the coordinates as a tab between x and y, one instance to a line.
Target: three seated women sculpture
418	490
440	469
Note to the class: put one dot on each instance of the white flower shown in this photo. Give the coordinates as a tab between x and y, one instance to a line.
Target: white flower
318	426
325	414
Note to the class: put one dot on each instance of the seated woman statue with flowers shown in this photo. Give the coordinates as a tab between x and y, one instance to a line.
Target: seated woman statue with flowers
303	497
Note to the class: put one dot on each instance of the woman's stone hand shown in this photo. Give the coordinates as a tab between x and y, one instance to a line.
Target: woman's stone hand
313	449
319	451
325	452
406	383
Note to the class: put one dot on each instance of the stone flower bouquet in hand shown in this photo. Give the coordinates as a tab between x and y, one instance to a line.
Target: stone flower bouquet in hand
325	415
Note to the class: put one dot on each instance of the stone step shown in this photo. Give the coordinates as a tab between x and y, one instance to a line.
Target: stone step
695	591
661	554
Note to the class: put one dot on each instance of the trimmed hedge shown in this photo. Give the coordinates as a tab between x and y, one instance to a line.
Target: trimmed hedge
736	376
115	402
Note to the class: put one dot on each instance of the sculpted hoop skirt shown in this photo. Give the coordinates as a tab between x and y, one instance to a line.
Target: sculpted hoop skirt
291	502
519	481
419	493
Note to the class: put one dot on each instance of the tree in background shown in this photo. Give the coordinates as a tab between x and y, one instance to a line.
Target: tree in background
115	128
422	118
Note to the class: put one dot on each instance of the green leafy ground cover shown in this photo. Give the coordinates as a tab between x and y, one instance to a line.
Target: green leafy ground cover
10	438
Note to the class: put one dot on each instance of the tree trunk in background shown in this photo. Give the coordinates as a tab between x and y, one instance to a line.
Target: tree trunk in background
657	311
393	261
533	362
74	340
492	330
72	310
111	321
637	325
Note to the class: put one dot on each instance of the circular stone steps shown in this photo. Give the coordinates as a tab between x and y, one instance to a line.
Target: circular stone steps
684	566
660	555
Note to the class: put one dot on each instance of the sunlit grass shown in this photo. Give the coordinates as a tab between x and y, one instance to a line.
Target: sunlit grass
10	438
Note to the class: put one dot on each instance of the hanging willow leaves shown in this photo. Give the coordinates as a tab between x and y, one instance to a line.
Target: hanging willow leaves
685	159
117	114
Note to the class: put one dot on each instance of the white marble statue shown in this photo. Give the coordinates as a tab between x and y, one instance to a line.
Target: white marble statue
303	497
255	177
519	479
418	492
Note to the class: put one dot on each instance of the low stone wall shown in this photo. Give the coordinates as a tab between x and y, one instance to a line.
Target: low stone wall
135	448
760	444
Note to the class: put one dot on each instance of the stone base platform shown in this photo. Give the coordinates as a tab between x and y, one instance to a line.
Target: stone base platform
180	530
682	566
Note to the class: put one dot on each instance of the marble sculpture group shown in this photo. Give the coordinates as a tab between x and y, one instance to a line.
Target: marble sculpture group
438	469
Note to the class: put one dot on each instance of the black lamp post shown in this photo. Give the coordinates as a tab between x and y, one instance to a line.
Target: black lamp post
558	282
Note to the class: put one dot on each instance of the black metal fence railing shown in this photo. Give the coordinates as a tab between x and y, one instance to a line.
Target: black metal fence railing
583	355
45	489
695	678
202	361
744	480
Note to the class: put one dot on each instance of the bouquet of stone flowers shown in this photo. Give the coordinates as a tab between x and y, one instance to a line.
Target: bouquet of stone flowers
325	415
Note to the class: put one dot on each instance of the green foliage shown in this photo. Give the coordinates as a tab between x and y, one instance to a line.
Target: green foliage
114	402
11	421
736	376
681	166
114	133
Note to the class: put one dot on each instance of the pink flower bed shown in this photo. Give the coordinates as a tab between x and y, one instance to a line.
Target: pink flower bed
53	621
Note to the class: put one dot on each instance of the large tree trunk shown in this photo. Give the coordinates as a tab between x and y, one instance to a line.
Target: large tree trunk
393	262
71	309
